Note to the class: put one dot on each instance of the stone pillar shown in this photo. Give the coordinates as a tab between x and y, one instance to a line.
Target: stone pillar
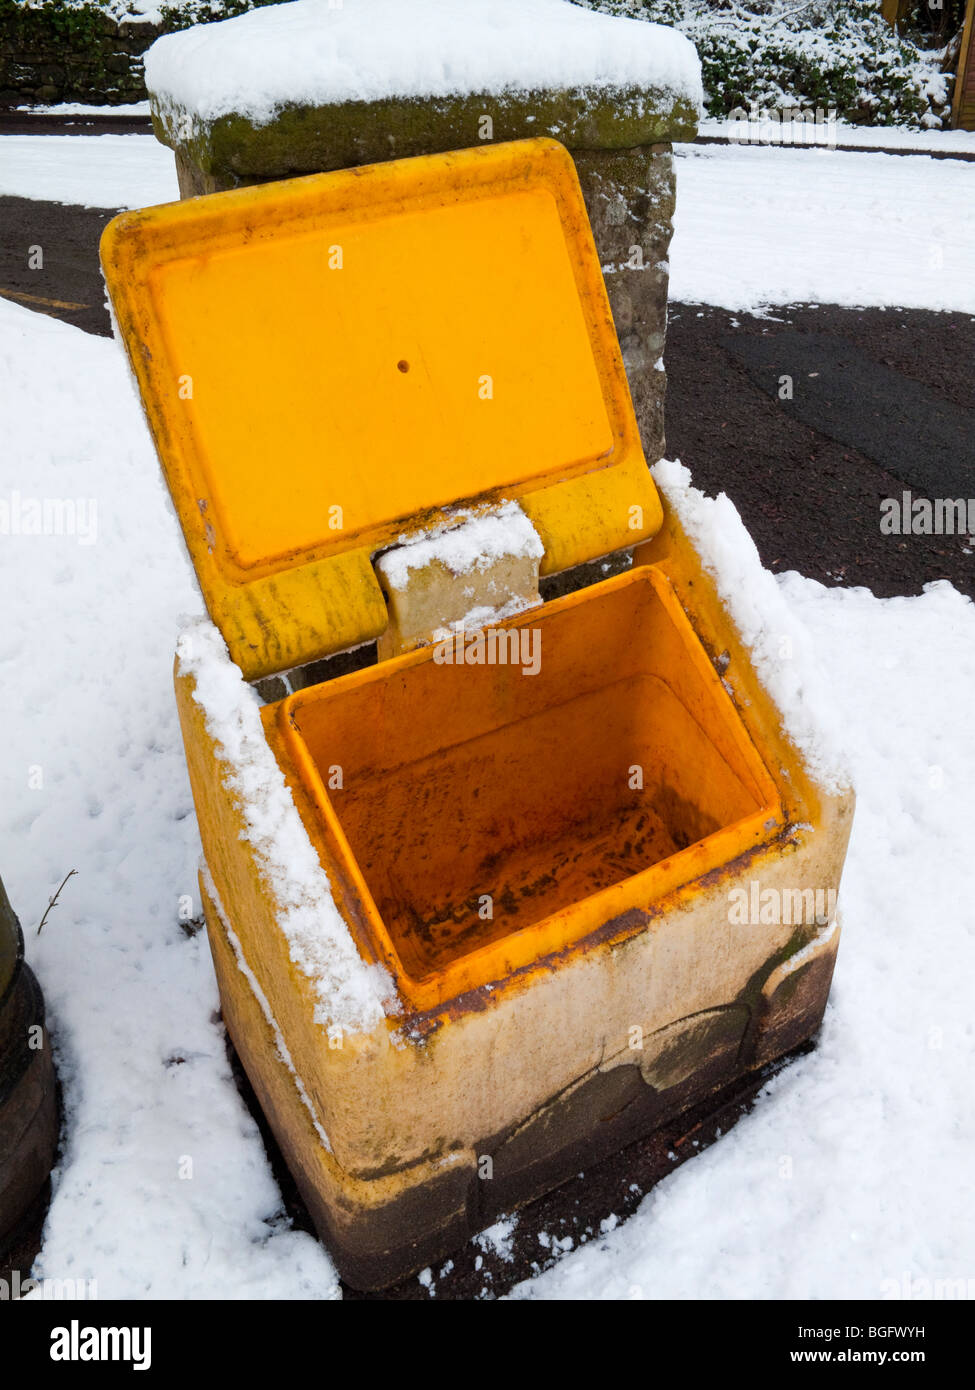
630	198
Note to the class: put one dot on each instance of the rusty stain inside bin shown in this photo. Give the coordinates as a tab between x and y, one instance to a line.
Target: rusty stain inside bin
487	816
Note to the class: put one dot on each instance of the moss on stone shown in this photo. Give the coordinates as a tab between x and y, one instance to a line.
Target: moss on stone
313	139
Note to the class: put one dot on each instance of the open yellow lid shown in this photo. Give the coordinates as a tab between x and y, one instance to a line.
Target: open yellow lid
329	362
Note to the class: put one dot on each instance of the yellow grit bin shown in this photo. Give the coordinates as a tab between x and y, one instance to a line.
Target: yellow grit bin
335	368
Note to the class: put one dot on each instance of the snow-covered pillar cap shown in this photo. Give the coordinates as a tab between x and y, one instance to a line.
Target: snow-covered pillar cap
317	85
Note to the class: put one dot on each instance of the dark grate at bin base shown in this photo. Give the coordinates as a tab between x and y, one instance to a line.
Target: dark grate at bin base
614	1187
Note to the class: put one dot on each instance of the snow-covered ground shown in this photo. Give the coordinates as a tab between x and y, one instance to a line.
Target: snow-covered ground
82	108
93	779
95	171
886	137
761	225
854	1170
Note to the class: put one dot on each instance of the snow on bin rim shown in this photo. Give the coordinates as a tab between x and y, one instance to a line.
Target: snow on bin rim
349	991
781	648
311	53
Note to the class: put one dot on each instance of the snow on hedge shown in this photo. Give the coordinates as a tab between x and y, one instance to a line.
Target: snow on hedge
312	53
783	53
150	11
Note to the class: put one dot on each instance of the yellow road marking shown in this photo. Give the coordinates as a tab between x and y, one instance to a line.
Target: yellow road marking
38	299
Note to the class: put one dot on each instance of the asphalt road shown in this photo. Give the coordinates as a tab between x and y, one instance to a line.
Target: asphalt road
68	285
883	401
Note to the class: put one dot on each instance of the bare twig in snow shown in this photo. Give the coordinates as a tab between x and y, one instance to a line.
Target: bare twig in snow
53	902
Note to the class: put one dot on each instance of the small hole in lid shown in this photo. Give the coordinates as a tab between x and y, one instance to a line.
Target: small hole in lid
402	365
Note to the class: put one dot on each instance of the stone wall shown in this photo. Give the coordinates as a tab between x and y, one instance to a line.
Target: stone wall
50	54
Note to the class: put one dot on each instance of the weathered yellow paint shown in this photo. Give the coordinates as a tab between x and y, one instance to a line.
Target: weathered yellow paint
328	362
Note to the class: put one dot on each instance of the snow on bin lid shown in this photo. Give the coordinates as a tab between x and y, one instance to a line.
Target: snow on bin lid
316	52
331	361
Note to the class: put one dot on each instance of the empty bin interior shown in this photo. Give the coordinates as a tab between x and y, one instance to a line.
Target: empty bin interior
478	800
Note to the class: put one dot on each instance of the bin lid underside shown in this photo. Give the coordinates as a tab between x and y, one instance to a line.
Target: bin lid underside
329	362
